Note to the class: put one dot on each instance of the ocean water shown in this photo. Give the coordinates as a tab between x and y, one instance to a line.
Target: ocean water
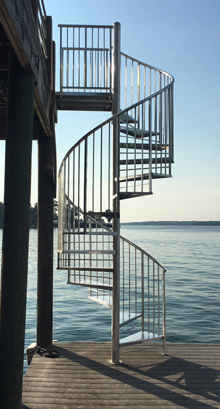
191	257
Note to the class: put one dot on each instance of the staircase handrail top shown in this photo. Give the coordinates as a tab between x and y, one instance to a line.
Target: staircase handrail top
86	25
143	251
114	117
149	66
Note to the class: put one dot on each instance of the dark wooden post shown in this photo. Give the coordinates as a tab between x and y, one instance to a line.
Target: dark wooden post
46	180
45	241
15	233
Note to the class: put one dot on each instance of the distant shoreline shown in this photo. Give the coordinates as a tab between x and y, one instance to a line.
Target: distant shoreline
174	223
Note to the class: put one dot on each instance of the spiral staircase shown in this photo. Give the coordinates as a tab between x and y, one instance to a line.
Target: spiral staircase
115	161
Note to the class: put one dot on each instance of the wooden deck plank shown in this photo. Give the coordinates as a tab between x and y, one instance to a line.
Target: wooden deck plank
188	376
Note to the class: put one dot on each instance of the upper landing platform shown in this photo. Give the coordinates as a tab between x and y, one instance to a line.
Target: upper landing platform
84	101
86	63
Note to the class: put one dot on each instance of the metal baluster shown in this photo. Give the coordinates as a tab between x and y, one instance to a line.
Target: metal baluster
79	59
153	300
138	86
109	167
142	291
100	190
98	59
164	313
135	269
135	135
150	145
73	57
158	295
67	60
132	82
148	292
85	60
126	81
61	59
93	171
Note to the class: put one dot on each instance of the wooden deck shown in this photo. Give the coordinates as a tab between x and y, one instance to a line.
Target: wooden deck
82	377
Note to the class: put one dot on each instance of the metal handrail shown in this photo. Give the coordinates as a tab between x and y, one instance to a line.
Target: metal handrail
145	151
110	120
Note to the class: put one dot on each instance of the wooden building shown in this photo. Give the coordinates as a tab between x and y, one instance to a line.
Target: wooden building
27	112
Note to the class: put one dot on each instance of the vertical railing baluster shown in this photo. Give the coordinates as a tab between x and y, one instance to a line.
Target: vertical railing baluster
153	298
142	149
138	89
132	86
61	59
150	145
79	59
93	171
98	59
123	276
126	81
164	313
158	295
67	59
109	164
73	75
135	151
142	291
148	292
100	186
135	269
85	60
129	278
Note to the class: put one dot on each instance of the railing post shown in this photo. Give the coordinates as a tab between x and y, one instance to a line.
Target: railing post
116	201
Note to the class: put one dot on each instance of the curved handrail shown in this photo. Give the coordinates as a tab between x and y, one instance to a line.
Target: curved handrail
110	120
147	65
87	248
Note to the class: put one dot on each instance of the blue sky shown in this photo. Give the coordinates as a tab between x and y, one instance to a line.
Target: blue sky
183	38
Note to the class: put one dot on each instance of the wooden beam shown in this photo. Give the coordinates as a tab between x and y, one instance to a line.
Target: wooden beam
15	233
19	23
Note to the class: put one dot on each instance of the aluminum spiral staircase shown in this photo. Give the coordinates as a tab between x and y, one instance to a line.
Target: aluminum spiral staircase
117	160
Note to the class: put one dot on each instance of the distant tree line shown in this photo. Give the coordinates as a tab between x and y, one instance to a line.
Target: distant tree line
33	214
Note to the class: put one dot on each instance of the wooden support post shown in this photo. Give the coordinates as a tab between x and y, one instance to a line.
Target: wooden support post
46	190
45	241
15	233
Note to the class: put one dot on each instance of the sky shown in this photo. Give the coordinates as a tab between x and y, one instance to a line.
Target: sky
181	37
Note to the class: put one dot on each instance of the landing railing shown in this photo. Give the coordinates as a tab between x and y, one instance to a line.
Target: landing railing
40	18
85	58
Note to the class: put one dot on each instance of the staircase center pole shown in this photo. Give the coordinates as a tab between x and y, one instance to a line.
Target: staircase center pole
116	201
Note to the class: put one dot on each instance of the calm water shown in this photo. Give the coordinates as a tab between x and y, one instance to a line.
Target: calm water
191	256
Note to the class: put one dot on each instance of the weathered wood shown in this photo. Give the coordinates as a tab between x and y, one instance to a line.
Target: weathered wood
19	23
15	232
45	240
82	377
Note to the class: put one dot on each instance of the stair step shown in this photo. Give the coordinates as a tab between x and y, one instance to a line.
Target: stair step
130	195
92	282
144	146
126	317
125	117
104	299
144	161
139	337
139	133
